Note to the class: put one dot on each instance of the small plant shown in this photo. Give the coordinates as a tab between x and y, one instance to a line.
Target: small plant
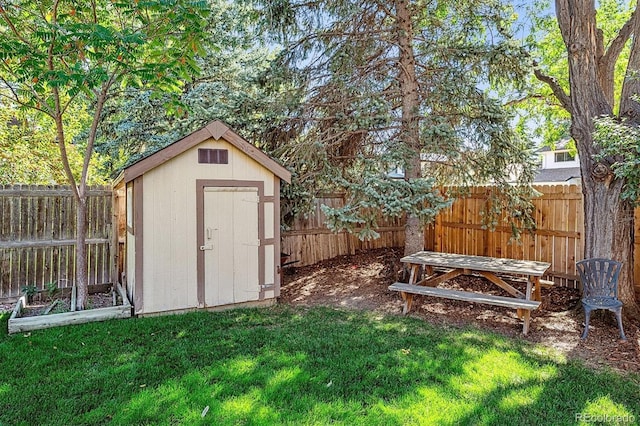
59	308
51	289
29	291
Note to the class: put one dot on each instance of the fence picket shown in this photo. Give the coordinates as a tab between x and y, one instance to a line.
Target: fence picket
37	236
310	241
558	238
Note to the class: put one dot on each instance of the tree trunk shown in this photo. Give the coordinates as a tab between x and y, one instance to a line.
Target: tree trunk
81	252
608	220
410	136
608	226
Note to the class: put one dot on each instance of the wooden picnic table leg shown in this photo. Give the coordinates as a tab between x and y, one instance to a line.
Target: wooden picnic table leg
537	293
429	270
413	276
408	298
527	318
526	313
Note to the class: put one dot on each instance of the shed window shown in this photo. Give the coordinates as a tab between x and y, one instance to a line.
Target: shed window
213	156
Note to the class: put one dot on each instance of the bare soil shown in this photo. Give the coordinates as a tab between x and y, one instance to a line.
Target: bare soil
63	304
38	307
361	282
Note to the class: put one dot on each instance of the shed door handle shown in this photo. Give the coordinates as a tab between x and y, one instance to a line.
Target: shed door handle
206	247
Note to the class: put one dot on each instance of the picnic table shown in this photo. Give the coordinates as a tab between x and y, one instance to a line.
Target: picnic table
440	267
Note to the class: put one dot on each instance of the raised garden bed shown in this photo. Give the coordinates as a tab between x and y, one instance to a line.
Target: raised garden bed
18	322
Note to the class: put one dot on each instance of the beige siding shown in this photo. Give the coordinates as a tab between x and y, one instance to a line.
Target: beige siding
131	265
170	245
269	232
269	262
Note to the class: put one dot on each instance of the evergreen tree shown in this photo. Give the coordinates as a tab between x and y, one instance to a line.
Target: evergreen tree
408	85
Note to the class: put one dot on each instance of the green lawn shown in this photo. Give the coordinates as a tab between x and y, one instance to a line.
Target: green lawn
285	365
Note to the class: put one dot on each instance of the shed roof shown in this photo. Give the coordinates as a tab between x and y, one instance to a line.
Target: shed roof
216	130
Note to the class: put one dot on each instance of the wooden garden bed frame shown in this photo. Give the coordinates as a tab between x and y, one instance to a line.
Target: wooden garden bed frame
17	324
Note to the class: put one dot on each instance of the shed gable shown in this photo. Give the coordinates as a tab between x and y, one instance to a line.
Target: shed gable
216	130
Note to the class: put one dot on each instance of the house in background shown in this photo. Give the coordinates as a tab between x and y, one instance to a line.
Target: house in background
558	165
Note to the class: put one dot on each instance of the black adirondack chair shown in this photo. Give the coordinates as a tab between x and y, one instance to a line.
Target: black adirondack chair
599	279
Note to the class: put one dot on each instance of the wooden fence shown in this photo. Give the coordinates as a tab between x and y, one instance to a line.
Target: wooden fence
557	240
37	236
310	241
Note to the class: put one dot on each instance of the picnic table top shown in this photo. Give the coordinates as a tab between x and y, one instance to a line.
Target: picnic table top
478	263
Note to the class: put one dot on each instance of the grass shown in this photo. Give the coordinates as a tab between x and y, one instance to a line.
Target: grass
284	365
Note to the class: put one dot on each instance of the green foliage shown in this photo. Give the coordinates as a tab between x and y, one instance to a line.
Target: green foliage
295	366
234	87
540	113
29	154
620	141
62	60
51	289
29	291
376	195
349	132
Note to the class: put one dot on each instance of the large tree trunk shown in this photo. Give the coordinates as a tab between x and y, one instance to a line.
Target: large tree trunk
608	224
410	136
608	219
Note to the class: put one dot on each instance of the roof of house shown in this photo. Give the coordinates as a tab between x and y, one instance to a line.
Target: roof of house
216	130
562	145
557	175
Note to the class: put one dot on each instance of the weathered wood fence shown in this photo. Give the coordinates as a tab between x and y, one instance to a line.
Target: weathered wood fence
558	238
37	236
310	241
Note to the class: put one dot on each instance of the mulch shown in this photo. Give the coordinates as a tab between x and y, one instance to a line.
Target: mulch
361	282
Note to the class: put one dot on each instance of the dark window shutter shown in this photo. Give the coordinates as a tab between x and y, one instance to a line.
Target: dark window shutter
213	156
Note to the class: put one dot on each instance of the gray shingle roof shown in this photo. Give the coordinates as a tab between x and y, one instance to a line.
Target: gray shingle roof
557	175
559	146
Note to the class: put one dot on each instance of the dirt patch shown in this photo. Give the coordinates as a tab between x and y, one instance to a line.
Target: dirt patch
361	282
38	307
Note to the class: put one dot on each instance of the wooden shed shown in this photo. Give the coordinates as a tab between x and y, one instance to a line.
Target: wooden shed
202	223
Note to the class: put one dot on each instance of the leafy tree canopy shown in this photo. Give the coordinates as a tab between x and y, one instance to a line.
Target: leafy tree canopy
29	153
59	56
541	114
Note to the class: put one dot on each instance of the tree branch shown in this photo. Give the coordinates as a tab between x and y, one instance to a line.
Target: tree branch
565	100
607	60
57	116
16	99
523	99
618	43
629	107
93	131
14	30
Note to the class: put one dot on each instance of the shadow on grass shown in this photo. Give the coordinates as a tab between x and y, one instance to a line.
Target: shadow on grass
284	365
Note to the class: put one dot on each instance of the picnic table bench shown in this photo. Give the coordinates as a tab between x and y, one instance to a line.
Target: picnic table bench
440	267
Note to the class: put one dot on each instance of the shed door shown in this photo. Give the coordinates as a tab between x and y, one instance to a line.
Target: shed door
230	245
